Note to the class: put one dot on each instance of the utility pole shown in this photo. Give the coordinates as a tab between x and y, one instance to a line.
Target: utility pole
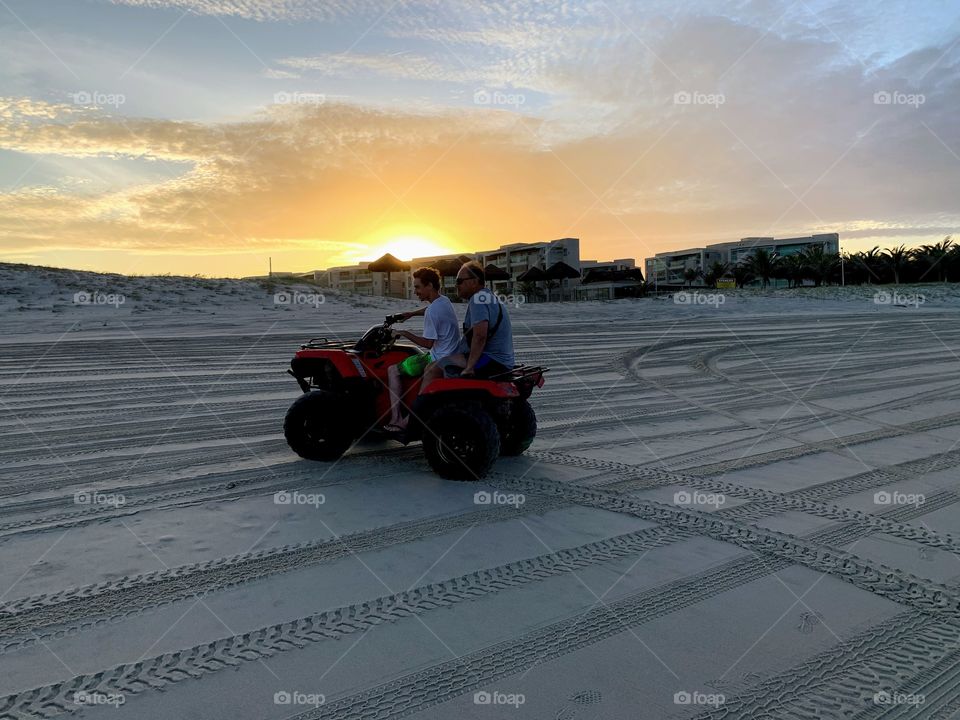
270	272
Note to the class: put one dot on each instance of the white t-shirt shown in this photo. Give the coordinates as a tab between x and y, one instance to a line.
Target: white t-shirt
440	325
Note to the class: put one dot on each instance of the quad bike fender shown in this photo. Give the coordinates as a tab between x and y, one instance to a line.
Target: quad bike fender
491	388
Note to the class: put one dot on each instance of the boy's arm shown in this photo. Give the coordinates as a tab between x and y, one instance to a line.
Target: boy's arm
414	313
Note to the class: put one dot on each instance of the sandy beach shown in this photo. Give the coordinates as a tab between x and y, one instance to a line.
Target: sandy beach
734	509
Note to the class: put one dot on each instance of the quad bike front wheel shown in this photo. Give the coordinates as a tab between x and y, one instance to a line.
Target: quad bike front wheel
461	442
316	426
518	432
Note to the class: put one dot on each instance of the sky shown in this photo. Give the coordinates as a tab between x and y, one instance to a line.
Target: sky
209	136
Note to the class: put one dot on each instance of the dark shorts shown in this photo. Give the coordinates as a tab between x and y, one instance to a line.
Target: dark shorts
485	367
488	367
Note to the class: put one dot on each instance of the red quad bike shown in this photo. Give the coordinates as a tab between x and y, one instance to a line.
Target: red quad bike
464	423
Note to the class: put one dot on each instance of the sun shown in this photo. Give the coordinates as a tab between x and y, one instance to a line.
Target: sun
405	246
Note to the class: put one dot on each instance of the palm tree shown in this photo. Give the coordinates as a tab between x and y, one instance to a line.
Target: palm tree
690	275
898	259
717	270
935	256
742	275
762	263
820	265
794	268
871	262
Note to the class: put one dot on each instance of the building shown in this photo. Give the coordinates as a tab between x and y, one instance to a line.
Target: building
669	268
520	257
359	280
608	280
514	259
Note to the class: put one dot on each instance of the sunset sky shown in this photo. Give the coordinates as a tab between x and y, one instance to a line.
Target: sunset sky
204	136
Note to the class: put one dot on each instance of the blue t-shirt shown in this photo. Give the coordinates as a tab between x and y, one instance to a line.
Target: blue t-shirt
485	306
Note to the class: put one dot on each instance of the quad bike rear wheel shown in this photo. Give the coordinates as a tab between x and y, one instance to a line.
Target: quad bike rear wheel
518	432
461	442
317	426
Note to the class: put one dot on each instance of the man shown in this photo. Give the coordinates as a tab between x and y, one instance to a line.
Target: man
487	346
441	337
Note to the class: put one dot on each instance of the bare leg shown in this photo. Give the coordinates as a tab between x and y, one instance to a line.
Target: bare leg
396	389
434	370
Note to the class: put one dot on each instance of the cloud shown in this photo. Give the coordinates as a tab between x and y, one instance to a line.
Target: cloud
793	141
263	10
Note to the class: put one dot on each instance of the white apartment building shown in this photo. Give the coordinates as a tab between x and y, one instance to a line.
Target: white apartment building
668	268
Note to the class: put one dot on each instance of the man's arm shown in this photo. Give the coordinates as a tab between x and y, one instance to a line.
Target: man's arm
477	342
415	339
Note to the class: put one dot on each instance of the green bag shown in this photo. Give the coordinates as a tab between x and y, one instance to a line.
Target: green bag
414	365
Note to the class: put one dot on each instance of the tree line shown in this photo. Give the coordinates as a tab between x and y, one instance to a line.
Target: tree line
938	262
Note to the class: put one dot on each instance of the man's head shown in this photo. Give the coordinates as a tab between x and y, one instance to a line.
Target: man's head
470	279
426	284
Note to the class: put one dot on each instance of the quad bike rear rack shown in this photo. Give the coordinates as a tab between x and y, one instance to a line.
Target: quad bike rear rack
521	372
322	343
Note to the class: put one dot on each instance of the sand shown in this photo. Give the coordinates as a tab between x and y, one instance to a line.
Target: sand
740	508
